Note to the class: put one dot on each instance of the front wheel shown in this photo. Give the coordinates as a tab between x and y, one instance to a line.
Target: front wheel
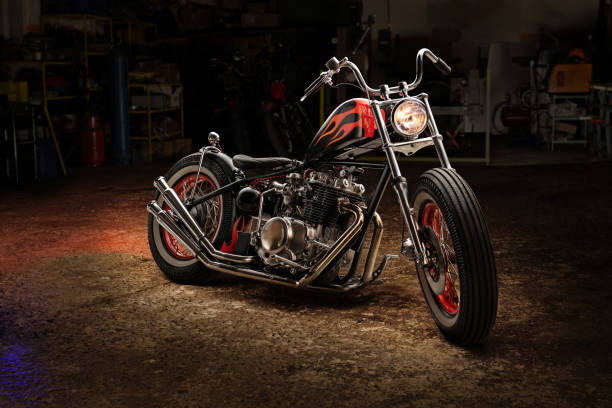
460	281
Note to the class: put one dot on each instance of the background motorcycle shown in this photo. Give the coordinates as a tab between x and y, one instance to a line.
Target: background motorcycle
285	122
303	223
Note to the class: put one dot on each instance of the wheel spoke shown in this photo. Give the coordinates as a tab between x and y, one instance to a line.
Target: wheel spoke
450	299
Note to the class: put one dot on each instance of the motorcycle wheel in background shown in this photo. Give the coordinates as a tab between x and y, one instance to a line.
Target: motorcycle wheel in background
460	281
214	216
288	129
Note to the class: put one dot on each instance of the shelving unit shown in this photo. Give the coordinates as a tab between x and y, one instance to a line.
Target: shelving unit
42	65
149	112
85	20
89	50
603	125
582	119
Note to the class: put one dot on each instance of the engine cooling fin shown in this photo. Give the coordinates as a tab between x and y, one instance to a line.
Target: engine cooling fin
321	206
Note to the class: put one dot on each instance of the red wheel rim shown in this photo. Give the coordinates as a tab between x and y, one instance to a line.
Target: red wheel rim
184	186
449	300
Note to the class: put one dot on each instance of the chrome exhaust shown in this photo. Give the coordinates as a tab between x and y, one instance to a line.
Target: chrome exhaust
345	206
180	211
165	220
197	243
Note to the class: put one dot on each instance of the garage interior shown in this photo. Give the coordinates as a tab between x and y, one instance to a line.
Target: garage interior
99	97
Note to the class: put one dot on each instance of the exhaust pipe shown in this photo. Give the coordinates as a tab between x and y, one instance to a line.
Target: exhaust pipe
197	243
166	221
348	235
179	209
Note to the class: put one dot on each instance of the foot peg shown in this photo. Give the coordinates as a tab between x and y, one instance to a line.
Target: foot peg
382	266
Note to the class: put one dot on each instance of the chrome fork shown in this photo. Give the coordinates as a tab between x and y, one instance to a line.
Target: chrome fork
400	186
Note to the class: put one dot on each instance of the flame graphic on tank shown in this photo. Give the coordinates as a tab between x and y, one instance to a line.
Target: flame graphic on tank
351	124
336	131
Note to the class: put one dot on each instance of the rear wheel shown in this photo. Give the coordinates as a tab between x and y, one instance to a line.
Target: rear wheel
214	216
460	281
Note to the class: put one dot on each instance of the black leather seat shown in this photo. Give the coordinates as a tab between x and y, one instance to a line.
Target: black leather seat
244	162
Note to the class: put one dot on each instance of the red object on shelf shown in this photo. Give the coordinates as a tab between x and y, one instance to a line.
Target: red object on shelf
515	117
92	142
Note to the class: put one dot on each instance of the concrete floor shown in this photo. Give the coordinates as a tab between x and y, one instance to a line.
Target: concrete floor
87	319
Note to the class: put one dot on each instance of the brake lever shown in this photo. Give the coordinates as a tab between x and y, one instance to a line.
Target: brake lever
324	78
333	67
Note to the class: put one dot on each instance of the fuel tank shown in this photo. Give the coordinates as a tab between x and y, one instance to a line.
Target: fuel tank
350	130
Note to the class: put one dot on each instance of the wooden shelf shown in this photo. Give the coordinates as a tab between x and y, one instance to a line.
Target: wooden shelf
572	118
90	49
63	98
145	138
42	62
144	111
77	17
147	113
146	85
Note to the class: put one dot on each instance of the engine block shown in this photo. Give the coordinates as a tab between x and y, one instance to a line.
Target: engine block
321	207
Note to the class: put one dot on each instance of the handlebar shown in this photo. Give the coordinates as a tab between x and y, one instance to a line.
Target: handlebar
316	84
334	66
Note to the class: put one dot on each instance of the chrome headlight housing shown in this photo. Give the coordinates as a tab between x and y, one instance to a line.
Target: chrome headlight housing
409	118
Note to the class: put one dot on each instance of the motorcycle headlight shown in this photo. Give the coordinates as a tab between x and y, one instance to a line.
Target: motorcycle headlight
409	118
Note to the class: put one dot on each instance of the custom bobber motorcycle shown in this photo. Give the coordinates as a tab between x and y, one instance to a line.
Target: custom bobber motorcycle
304	224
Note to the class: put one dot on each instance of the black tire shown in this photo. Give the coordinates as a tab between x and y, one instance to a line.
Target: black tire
191	270
472	259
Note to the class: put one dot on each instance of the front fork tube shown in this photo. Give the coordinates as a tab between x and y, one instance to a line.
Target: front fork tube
437	137
400	186
401	191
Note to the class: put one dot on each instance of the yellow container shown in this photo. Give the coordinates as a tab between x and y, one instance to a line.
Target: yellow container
16	91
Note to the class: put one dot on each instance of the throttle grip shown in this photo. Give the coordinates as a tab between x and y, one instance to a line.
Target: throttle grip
442	66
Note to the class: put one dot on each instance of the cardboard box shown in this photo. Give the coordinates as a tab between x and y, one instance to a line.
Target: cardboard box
257	8
570	78
173	93
139	35
169	71
157	101
231	4
197	18
264	20
566	128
